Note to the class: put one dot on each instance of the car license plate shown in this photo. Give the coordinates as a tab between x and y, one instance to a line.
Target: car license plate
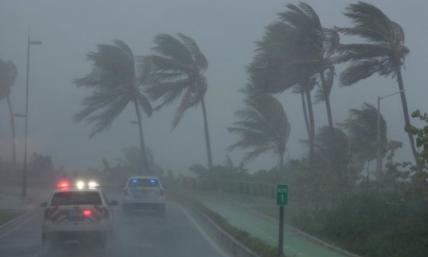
74	216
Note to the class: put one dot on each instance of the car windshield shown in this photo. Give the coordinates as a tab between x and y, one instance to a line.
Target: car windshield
143	182
76	198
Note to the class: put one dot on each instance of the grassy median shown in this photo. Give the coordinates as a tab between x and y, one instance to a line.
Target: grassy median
7	215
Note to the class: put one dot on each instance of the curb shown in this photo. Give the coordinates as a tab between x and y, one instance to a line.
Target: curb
233	246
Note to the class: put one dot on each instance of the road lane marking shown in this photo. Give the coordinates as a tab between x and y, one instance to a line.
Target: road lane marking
203	233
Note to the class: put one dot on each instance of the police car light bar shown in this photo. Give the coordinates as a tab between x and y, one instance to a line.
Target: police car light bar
63	184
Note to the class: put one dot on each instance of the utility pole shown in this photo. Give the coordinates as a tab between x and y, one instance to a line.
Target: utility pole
27	92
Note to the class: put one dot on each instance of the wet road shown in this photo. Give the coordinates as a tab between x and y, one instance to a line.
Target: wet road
136	234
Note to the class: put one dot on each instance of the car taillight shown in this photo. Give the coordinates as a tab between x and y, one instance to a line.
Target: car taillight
87	213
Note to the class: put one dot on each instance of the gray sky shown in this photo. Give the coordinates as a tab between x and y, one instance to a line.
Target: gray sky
225	31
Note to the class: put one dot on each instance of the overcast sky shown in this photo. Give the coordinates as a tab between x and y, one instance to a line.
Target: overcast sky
225	31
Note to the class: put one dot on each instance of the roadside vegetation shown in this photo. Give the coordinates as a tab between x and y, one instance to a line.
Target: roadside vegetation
7	215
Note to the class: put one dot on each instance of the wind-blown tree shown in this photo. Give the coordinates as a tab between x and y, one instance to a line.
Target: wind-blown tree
295	52
177	70
316	48
331	149
362	131
114	84
8	73
304	89
382	52
262	127
295	49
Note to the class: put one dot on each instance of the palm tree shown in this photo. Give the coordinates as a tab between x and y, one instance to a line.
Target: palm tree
262	127
331	149
295	52
362	131
313	49
8	72
115	84
304	89
178	70
383	51
362	128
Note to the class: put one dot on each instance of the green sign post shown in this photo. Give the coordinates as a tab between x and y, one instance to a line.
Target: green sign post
281	201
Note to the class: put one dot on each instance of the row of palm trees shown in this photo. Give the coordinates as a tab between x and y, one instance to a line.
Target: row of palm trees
297	53
174	72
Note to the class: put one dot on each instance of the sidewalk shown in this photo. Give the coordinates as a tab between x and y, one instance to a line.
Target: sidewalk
244	213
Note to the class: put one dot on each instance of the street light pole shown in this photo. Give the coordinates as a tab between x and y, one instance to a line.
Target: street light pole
378	133
27	91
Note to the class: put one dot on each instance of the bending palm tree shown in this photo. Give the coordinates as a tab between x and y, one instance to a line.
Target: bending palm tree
304	89
313	48
262	127
178	70
114	84
362	130
8	72
383	53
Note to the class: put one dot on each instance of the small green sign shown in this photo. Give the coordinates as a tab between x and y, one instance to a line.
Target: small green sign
281	195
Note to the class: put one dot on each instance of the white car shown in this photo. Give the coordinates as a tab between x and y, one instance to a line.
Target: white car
144	193
77	213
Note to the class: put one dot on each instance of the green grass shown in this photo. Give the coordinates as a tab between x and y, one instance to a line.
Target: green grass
7	215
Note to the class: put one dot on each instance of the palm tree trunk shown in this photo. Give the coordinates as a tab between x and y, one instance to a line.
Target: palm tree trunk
311	125
144	165
207	134
406	115
12	123
305	113
327	101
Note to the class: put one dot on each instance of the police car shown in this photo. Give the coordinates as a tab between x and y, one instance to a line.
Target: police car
142	192
79	212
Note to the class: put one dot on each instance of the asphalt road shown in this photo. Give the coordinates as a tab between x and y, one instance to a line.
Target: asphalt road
136	234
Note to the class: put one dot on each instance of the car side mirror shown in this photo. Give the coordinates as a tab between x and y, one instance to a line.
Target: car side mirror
44	204
113	203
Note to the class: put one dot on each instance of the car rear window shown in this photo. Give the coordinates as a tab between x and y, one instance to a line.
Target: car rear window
76	198
143	182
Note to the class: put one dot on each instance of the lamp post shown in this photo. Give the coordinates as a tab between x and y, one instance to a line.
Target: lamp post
27	91
378	131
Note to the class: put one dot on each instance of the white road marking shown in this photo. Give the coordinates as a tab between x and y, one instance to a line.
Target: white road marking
203	233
